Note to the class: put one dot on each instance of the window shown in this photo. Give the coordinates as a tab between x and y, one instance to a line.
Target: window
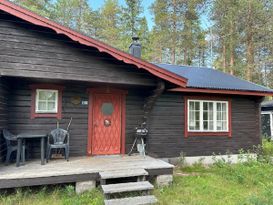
46	101
207	116
267	124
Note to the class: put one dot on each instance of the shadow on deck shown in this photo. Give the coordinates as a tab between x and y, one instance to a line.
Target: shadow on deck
77	170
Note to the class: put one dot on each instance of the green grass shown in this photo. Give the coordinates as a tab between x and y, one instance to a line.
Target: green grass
51	196
245	183
240	184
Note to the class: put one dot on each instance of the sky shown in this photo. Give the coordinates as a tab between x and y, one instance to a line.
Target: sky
96	4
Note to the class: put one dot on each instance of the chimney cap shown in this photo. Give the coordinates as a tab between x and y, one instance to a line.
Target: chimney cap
135	38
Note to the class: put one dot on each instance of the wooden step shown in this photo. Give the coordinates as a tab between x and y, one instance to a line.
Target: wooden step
138	200
124	173
126	187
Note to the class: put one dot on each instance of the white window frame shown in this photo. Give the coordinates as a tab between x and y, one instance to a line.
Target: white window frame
270	113
214	115
37	101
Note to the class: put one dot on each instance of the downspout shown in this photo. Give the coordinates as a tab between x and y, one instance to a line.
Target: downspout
141	132
151	100
149	105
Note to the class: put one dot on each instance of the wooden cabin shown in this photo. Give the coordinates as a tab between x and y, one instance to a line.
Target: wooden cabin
50	73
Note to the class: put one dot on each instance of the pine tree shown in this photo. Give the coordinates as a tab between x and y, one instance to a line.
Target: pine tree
178	32
131	22
41	7
109	31
75	14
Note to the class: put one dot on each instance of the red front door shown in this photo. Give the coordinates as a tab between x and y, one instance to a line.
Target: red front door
106	124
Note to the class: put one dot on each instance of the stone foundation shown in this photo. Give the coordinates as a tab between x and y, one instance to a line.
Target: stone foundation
85	186
164	180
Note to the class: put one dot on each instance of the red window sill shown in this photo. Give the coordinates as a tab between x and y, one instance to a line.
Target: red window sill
45	115
198	134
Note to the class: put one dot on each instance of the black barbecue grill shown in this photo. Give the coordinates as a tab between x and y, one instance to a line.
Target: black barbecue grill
141	133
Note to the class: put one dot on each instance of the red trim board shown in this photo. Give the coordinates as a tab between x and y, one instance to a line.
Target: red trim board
219	91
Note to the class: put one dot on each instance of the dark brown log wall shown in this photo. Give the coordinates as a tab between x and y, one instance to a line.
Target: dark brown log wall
32	51
3	115
167	139
20	121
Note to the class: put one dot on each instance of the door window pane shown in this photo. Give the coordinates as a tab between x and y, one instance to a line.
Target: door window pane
107	108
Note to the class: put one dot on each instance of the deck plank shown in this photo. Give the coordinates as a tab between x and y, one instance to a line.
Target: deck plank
139	200
122	173
76	169
126	187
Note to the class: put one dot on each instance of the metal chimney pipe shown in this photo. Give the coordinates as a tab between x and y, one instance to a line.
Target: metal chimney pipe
135	47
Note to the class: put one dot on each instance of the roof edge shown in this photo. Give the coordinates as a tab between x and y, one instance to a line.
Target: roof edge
36	19
222	91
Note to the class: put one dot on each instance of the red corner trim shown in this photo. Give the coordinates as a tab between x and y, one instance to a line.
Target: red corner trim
33	114
219	91
106	90
123	123
31	17
198	134
90	123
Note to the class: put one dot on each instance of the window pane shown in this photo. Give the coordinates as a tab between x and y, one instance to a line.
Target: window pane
197	125
224	106
197	115
205	124
191	107
219	107
219	125
205	115
205	106
107	108
211	106
210	125
51	95
42	106
42	95
51	106
224	125
224	115
197	105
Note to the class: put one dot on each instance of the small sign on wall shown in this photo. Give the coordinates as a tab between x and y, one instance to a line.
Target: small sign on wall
84	102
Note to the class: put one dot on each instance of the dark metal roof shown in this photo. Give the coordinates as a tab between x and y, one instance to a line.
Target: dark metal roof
200	77
267	103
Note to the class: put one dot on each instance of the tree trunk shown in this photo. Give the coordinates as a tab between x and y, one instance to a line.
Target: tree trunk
185	56
224	53
174	35
249	44
231	63
231	48
173	54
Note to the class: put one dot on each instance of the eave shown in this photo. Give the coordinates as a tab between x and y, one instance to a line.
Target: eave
221	91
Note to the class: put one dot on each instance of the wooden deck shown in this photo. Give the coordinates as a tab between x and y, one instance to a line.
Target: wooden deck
76	170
